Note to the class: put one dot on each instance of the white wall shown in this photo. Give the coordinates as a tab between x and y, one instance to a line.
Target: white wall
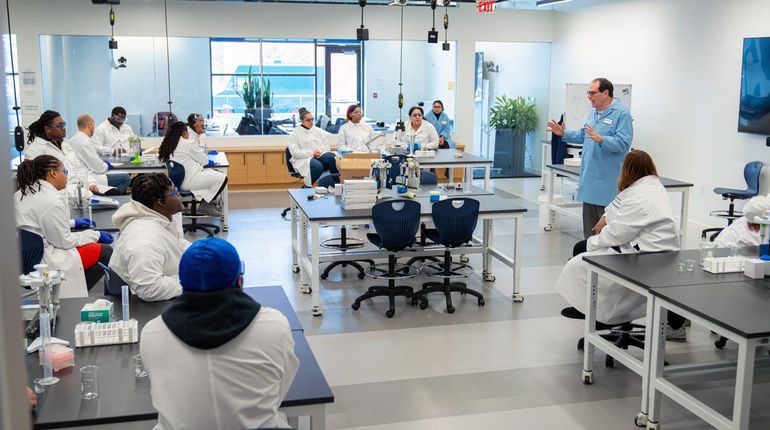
30	18
683	59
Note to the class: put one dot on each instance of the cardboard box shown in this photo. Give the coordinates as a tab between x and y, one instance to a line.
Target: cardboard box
354	168
99	311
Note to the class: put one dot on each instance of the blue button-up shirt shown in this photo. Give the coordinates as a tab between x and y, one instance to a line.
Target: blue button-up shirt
601	162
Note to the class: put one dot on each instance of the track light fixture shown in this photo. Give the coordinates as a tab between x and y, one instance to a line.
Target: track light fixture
113	44
362	33
445	45
432	33
400	124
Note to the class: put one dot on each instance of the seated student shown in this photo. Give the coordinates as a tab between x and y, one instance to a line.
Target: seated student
216	358
742	232
639	219
196	129
42	209
83	160
205	184
150	245
113	133
355	134
46	136
310	153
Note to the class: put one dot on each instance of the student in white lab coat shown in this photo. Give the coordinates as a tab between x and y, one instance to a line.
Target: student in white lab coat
42	209
83	160
113	132
310	153
420	131
196	129
46	136
150	243
742	232
216	358
355	134
639	219
206	184
440	121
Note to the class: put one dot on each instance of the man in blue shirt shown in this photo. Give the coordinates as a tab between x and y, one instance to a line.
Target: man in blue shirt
606	138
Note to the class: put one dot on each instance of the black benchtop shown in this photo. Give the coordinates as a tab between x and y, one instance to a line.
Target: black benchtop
572	170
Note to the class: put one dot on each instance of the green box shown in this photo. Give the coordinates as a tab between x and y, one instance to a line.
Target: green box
96	312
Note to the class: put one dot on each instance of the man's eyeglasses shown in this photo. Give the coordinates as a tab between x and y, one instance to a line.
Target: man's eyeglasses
59	126
308	120
119	118
592	93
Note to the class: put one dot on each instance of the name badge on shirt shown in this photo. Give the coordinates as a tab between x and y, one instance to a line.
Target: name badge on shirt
607	121
445	122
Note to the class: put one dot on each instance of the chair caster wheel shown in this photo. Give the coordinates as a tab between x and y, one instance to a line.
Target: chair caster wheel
720	343
489	278
609	362
324	275
295	268
653	426
356	306
361	275
482	302
640	420
464	258
424	305
548	228
306	289
581	344
450	309
389	313
414	302
588	377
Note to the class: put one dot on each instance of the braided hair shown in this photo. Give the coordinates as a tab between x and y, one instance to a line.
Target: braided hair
171	140
31	172
148	188
36	129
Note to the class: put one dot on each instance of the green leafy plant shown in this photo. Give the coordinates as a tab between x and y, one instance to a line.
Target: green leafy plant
255	95
518	114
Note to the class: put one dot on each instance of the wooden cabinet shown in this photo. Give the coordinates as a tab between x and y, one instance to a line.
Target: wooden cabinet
259	168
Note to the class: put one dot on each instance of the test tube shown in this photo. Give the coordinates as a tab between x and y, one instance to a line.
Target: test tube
124	301
90	211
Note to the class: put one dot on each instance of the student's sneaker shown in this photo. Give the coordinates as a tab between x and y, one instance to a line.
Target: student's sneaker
678	335
209	209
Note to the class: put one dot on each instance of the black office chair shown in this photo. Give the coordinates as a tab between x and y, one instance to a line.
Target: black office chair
343	242
176	174
396	222
294	174
31	246
751	173
455	220
112	282
622	335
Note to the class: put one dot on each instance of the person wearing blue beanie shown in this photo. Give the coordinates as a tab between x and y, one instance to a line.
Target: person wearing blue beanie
215	357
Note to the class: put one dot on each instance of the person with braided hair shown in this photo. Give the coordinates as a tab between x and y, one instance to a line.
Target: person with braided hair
42	209
150	243
177	146
46	136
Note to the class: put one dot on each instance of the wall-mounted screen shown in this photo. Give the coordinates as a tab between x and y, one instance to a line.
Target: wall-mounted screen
754	111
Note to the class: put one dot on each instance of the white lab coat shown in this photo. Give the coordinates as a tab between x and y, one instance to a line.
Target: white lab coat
83	159
425	135
355	136
108	136
737	234
46	213
239	385
640	215
147	252
203	183
40	146
302	143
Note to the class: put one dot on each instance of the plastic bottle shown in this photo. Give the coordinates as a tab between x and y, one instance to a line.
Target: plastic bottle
704	248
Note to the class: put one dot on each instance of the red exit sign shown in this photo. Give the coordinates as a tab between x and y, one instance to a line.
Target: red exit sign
485	6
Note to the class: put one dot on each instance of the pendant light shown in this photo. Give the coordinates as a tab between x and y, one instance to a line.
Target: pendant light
400	124
168	56
445	45
362	33
432	33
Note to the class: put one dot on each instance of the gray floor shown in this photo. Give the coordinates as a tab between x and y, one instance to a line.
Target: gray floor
501	366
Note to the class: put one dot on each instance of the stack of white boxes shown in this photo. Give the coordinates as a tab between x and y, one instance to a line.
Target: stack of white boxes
359	194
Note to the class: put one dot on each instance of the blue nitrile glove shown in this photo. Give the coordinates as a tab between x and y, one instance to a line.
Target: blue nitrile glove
213	152
211	163
105	237
109	165
84	223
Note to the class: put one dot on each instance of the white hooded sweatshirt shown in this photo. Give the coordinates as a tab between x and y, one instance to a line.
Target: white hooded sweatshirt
147	252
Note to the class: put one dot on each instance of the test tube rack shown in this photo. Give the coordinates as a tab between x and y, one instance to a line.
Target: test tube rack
724	264
110	333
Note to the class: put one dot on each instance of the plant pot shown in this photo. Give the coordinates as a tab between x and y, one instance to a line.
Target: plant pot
254	121
510	150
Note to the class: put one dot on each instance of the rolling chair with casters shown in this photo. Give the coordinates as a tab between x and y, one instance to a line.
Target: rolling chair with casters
32	248
294	174
426	178
396	222
751	173
342	243
112	282
622	335
455	220
176	174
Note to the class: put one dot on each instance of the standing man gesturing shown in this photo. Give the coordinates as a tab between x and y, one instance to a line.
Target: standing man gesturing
606	138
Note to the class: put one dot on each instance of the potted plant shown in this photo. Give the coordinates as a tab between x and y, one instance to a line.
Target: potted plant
257	99
512	119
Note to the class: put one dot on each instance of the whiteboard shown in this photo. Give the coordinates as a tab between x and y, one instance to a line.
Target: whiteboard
578	106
